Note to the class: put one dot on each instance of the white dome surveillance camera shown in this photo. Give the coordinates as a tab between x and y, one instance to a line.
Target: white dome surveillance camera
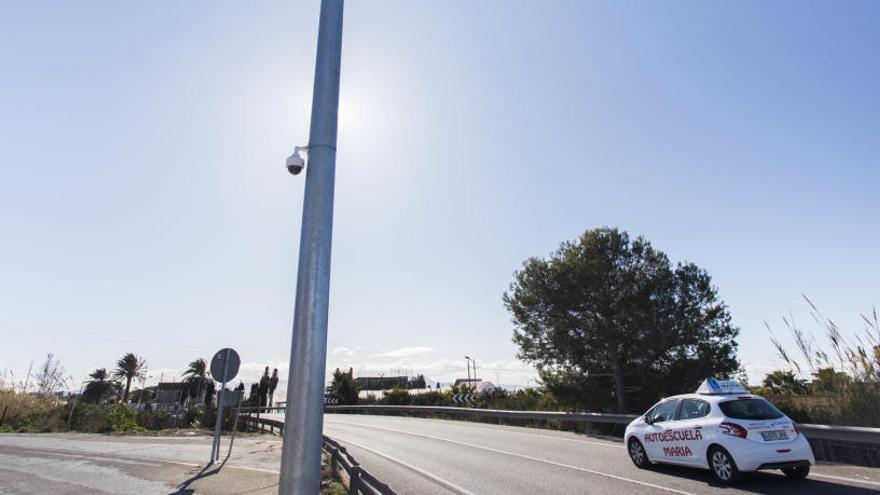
295	162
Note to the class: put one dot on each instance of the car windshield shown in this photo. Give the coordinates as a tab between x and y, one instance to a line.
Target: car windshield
754	409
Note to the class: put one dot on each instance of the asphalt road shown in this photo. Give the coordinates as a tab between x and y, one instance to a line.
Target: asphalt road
80	464
423	456
413	455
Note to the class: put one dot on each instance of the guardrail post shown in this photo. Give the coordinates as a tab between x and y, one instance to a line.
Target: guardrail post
354	480
334	459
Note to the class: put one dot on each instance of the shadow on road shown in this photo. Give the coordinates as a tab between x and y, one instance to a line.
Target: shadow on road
770	483
183	488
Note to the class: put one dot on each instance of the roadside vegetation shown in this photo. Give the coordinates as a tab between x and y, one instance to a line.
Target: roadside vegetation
106	403
833	380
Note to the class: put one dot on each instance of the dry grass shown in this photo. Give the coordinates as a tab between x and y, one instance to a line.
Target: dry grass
18	409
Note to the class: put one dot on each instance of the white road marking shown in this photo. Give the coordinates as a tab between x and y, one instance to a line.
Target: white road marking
436	479
522	456
111	459
843	478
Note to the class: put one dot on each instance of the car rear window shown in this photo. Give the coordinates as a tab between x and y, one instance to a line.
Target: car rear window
754	409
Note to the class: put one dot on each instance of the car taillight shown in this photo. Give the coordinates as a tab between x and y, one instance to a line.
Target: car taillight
733	430
797	431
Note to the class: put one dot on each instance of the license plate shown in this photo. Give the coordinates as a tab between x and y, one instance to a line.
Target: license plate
769	436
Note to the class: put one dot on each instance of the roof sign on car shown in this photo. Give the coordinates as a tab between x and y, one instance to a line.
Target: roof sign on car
721	387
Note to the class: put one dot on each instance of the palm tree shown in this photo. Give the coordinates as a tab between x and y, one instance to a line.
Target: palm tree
196	376
99	387
129	368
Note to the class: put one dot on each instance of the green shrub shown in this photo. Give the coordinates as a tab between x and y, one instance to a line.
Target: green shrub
90	418
155	420
396	397
522	400
431	399
122	418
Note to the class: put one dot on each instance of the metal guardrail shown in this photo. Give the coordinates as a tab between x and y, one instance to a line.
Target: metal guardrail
264	409
848	434
581	417
263	424
855	434
360	481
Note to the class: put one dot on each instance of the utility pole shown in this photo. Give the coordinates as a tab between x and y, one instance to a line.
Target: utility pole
143	387
70	416
26	380
304	416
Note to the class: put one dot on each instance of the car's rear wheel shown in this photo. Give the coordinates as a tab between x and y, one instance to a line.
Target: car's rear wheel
723	466
797	472
637	454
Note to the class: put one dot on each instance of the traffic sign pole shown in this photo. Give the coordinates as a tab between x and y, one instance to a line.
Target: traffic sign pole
224	367
304	416
215	448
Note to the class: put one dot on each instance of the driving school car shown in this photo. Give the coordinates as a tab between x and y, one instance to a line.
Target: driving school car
723	428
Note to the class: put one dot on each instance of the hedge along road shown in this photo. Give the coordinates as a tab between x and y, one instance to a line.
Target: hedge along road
418	455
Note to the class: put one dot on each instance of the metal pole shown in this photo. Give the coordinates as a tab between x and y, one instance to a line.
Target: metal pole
143	386
70	416
215	447
26	380
304	416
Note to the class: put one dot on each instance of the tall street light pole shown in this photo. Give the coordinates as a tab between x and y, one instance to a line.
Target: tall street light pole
304	417
474	362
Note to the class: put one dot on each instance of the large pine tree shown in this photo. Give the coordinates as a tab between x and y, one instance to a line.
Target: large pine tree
611	323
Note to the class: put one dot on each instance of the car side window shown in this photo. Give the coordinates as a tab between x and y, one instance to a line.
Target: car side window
664	412
693	408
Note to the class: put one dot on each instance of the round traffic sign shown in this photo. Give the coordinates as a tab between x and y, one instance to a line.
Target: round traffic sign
224	365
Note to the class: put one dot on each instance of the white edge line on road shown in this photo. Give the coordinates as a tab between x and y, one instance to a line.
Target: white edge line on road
843	478
523	456
121	460
440	481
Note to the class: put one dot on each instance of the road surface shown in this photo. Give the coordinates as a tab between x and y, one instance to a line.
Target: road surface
425	456
413	455
80	464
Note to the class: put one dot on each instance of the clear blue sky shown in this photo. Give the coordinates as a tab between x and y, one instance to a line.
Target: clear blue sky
145	207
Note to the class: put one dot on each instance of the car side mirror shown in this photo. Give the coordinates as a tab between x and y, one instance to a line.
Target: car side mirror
649	420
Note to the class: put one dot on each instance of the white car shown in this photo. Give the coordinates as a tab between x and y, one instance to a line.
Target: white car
722	428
